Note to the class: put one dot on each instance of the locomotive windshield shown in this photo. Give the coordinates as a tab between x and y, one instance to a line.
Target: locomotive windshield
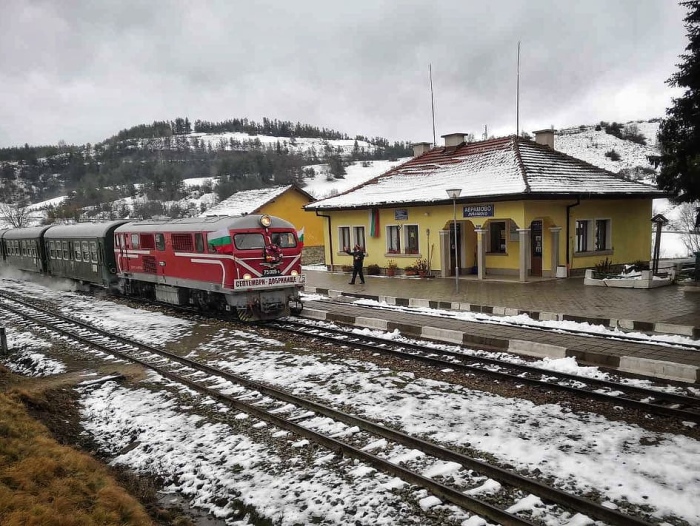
248	241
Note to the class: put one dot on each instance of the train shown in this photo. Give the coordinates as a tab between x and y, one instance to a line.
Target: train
249	265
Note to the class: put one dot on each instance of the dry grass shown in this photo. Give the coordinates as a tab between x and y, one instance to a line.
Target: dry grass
45	483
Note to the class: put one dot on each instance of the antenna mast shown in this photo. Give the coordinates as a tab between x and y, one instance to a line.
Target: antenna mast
517	97
432	100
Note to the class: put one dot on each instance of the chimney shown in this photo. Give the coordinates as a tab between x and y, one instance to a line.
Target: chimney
545	137
420	148
453	139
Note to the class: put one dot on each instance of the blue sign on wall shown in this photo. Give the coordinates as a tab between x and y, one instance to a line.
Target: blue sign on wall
400	213
478	211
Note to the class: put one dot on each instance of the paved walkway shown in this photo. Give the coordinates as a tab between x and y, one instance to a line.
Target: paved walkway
673	309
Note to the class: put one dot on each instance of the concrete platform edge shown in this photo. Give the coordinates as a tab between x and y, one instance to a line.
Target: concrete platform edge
634	365
627	325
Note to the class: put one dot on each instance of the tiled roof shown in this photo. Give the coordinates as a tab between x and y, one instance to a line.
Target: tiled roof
497	168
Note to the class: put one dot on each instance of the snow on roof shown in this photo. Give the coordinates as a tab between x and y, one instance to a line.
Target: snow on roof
246	202
493	168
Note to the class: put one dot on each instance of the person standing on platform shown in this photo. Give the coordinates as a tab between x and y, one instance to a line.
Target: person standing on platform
358	260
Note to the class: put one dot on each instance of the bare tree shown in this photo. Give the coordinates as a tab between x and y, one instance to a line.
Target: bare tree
16	215
686	221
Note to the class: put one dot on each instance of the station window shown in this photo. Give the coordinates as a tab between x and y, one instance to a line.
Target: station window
344	237
160	242
393	239
411	233
182	242
359	235
497	237
593	235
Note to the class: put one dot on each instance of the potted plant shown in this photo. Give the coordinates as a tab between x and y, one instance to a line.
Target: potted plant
410	270
422	267
373	269
391	267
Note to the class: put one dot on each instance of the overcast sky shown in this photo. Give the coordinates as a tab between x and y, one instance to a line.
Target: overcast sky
81	70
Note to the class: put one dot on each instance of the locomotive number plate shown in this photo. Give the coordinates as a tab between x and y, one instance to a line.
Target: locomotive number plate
271	272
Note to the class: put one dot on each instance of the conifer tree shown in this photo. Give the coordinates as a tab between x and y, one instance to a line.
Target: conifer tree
679	133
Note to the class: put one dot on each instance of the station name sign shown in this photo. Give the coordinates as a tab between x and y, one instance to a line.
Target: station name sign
478	211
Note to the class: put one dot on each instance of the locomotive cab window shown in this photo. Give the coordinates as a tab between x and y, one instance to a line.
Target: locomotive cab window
199	242
160	242
134	241
248	241
284	239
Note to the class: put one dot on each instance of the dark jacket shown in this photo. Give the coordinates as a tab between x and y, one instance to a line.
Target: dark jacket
358	257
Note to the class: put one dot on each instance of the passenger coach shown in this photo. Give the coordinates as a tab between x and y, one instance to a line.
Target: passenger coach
23	248
82	252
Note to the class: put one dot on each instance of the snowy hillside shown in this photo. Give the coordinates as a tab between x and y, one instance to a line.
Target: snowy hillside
589	145
243	142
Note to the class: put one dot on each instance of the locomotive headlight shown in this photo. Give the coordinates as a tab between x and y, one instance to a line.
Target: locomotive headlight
247	276
294	273
265	221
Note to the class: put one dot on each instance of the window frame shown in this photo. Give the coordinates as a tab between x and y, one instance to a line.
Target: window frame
588	233
393	233
408	248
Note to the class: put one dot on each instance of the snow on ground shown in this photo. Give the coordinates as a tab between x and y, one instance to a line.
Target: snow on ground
207	460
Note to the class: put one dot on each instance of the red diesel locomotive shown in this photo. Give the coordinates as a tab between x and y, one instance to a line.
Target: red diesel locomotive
250	263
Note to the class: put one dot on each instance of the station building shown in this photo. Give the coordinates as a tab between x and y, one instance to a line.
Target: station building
504	206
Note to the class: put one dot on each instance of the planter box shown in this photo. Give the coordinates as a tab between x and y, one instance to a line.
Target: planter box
645	281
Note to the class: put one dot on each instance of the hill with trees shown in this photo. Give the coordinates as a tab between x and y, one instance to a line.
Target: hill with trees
155	159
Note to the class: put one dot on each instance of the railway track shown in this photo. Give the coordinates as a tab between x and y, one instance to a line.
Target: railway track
652	401
357	438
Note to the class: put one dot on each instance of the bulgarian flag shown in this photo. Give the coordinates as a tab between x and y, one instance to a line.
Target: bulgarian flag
374	222
220	240
300	235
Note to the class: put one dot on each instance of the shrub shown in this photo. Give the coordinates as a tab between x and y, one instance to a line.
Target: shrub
613	155
373	269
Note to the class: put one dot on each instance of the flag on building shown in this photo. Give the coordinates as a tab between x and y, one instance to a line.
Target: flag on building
374	222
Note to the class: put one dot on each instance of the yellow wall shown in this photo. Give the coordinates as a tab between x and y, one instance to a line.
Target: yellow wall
289	206
630	220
